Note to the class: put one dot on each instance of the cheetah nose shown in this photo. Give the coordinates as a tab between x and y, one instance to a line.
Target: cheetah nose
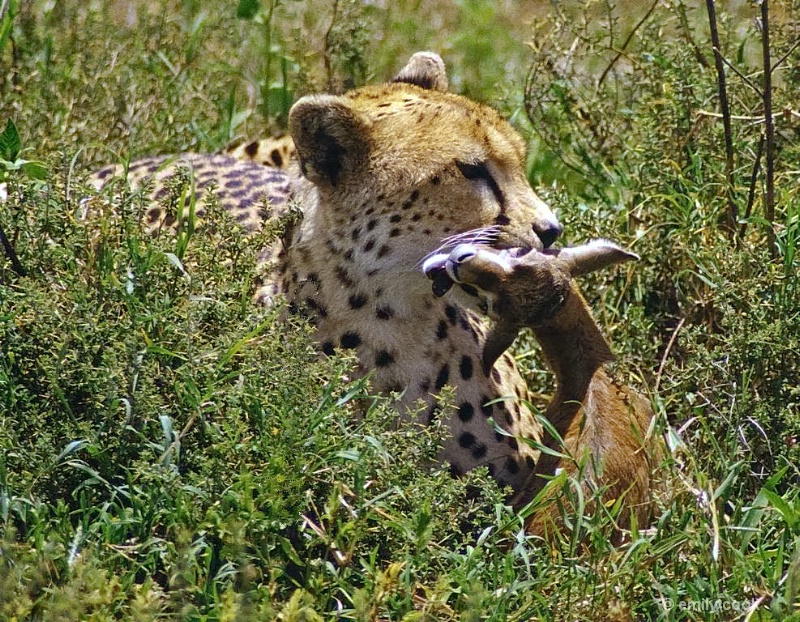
549	233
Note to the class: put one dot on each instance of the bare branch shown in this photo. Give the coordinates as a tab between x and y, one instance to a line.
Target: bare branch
16	266
733	213
736	70
627	41
783	58
769	199
751	191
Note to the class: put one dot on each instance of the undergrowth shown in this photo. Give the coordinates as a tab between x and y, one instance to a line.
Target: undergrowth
170	450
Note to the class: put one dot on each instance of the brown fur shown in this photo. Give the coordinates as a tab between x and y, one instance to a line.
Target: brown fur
603	424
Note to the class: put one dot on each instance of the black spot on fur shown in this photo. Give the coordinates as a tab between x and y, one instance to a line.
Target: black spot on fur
327	348
441	330
384	359
411	200
486	409
512	466
252	149
452	314
276	158
455	471
318	307
479	451
466	411
395	218
350	340
344	277
355	234
394	232
466	440
384	313
369	246
372	224
466	367
443	377
356	301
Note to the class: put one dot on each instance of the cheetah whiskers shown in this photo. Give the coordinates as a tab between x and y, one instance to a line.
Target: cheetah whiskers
480	236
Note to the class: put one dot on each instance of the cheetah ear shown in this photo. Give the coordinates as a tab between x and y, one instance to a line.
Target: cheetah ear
329	136
425	70
594	255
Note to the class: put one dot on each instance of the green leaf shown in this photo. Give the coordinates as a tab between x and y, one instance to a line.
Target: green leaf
247	9
783	507
7	22
34	169
9	142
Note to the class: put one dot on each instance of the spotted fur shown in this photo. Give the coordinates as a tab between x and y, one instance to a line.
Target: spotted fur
388	171
277	152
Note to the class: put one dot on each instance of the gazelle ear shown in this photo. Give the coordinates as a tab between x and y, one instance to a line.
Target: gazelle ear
330	137
595	255
425	70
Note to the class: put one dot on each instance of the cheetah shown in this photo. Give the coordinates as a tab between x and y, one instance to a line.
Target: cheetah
386	172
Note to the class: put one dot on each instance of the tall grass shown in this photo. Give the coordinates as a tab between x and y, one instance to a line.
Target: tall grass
169	450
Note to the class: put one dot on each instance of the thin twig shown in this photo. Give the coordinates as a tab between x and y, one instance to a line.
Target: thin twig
751	191
627	42
667	351
16	266
733	117
785	56
769	200
687	33
732	215
739	73
326	53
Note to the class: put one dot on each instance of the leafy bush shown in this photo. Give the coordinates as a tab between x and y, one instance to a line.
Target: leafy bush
169	449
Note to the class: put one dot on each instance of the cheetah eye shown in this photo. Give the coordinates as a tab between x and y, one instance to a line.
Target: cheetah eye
478	171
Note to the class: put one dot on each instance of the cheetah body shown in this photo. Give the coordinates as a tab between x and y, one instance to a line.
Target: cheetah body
387	173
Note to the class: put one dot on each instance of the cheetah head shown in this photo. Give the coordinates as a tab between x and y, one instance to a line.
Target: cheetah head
400	166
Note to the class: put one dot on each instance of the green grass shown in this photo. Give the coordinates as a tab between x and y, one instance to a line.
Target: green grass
168	450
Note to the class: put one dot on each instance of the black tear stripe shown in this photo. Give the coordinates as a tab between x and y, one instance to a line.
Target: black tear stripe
480	172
